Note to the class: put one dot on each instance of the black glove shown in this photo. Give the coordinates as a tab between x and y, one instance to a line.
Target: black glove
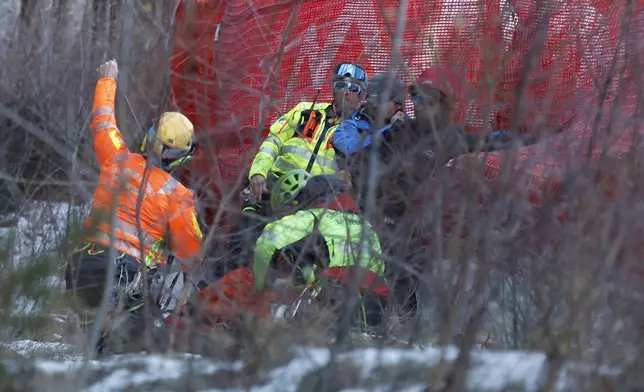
365	114
399	117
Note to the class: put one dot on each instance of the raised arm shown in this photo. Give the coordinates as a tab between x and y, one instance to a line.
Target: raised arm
108	140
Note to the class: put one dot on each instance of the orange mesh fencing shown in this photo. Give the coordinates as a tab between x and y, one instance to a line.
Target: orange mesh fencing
239	64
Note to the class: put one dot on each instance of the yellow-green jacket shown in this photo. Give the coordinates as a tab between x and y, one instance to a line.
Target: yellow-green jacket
341	232
284	150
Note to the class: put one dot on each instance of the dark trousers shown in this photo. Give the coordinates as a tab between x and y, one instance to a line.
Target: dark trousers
374	309
371	306
86	274
249	227
242	242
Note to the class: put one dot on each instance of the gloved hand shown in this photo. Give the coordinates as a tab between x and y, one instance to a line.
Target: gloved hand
399	116
108	69
366	114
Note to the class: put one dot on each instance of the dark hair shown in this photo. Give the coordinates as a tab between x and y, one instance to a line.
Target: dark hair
379	84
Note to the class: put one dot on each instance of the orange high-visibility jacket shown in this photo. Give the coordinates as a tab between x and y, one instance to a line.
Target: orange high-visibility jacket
166	208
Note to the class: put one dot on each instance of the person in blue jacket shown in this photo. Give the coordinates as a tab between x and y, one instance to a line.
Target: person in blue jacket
356	134
353	139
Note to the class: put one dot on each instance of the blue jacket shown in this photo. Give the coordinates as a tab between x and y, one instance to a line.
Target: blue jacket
354	135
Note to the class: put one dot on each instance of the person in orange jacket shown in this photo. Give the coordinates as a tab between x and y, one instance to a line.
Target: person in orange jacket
140	213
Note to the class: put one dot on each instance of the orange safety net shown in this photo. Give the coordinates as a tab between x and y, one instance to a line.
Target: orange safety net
239	64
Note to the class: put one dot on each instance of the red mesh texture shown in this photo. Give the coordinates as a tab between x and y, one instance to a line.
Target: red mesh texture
271	54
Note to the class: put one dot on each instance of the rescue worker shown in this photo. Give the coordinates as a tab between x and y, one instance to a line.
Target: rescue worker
319	239
297	140
434	96
354	136
356	133
421	146
300	139
139	212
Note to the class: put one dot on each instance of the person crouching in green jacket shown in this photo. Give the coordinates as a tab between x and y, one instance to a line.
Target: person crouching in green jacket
322	235
320	239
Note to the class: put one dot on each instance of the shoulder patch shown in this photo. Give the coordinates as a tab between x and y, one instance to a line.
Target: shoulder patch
116	139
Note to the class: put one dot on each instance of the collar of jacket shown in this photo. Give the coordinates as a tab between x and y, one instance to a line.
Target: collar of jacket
343	202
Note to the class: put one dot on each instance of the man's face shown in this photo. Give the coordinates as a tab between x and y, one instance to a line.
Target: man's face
388	110
431	106
347	95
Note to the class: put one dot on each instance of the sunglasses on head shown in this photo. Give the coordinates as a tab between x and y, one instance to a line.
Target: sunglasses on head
343	85
350	70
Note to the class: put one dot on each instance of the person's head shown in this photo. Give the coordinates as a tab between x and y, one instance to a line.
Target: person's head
298	189
432	95
379	85
349	87
170	142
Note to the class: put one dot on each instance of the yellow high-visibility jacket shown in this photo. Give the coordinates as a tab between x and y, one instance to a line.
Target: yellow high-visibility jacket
342	233
284	150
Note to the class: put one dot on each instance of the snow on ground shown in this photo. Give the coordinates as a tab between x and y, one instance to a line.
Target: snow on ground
371	369
40	228
31	348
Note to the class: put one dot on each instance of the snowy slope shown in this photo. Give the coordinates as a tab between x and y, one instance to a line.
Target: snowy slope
40	229
52	366
359	370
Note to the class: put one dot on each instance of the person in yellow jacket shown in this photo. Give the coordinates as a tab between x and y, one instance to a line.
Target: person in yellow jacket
321	239
323	236
300	139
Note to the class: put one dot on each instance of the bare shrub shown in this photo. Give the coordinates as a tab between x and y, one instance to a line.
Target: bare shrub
530	248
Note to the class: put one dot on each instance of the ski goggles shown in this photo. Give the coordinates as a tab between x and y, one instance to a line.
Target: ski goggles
350	70
342	85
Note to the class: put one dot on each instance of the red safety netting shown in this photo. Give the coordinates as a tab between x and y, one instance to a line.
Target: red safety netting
239	64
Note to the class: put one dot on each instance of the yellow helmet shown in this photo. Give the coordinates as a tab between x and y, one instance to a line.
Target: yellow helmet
171	140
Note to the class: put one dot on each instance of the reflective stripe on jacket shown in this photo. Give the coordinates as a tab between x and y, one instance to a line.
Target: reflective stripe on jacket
285	150
341	232
165	208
